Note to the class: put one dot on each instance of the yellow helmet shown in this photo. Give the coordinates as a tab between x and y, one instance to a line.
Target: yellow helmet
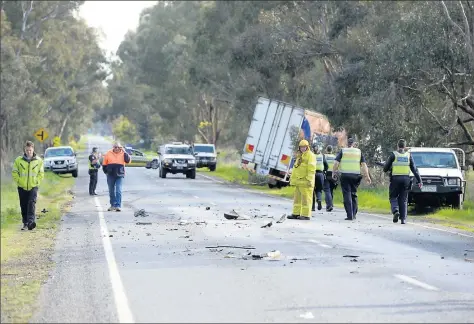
304	143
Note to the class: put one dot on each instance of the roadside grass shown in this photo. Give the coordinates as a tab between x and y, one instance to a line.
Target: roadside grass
26	256
79	146
371	199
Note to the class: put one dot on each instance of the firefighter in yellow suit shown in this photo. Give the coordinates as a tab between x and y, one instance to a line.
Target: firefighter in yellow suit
302	178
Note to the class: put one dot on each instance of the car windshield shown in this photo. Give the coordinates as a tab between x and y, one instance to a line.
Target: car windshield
178	150
204	148
434	160
58	152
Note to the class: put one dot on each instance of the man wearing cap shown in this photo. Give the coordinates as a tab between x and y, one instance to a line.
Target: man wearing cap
350	161
94	166
321	168
302	177
329	183
400	163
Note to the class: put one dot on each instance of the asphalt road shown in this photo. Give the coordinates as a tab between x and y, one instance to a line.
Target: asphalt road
111	269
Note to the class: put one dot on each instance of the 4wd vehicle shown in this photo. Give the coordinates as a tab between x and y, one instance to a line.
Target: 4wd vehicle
140	159
205	156
442	173
176	158
60	160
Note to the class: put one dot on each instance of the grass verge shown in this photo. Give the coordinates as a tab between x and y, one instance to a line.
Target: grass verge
370	199
26	256
79	146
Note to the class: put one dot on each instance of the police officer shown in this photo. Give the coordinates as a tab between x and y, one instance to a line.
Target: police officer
94	166
321	168
400	163
302	177
350	161
329	183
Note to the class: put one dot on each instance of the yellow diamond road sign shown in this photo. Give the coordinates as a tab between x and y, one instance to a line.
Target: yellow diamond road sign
41	134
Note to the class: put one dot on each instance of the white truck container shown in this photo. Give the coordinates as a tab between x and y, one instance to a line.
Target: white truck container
269	145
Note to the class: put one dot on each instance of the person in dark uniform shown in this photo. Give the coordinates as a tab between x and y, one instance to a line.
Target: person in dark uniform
321	168
329	183
94	166
400	163
350	161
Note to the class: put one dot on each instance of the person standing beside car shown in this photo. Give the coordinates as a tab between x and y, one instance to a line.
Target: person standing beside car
94	166
28	173
113	166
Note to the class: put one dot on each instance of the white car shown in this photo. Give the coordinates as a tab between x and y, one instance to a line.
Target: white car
442	173
61	160
177	158
206	156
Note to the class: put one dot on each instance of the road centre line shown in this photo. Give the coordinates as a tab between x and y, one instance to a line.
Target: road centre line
121	302
320	244
415	282
388	218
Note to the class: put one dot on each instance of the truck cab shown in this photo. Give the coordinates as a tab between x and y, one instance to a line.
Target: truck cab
442	171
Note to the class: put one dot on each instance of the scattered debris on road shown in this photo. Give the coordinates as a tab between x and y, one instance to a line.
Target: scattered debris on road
328	234
282	219
200	223
148	234
183	222
143	223
267	225
249	247
235	215
141	213
469	260
350	256
298	259
110	235
208	208
171	229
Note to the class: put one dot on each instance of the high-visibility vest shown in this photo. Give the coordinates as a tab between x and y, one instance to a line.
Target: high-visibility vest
319	162
91	166
350	162
401	164
330	158
28	175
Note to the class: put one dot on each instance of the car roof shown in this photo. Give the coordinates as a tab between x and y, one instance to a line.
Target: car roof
431	149
177	145
59	147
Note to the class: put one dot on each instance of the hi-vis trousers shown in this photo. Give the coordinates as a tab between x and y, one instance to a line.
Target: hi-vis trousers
302	201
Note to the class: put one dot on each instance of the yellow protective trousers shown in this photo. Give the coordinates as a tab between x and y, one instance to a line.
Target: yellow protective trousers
302	201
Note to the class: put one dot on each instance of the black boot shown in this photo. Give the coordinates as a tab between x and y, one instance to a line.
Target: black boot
396	215
320	206
292	216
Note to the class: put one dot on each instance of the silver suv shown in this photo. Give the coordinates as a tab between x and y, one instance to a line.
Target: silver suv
61	160
177	158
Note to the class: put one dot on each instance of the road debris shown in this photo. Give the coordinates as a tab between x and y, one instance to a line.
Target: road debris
171	229
200	223
282	219
298	259
272	255
469	260
143	223
183	222
350	256
148	234
141	213
328	234
267	225
111	235
249	247
235	215
208	208
307	315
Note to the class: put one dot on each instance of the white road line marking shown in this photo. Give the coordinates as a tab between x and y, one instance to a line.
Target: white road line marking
212	179
320	244
121	301
415	282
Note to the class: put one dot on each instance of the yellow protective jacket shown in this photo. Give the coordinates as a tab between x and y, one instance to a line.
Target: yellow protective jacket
28	174
303	170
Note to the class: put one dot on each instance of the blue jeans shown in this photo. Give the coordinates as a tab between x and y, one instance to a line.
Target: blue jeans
115	190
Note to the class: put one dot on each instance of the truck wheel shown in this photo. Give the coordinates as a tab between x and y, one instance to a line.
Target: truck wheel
74	173
212	168
271	186
458	201
192	174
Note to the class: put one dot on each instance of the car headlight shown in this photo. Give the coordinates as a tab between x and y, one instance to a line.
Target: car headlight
213	159
167	161
191	161
453	182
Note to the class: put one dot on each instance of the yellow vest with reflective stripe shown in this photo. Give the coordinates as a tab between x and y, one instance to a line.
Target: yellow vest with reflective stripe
401	164
91	167
330	160
28	175
319	162
350	162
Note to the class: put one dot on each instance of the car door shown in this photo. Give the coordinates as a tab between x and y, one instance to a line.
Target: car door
138	158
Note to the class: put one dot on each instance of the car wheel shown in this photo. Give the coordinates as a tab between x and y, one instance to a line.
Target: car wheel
162	173
75	173
458	201
192	174
154	164
212	168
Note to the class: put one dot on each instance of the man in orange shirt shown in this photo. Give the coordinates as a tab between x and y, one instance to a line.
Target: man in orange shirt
114	167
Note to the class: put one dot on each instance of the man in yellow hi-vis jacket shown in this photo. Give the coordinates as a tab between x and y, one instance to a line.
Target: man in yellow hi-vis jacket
28	172
302	178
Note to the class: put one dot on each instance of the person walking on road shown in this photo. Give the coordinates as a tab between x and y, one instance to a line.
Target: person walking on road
400	163
321	168
302	178
28	173
350	161
94	166
329	183
113	166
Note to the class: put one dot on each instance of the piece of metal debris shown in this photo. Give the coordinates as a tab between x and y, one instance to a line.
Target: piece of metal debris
207	208
328	234
235	215
350	256
267	225
183	222
142	223
141	213
282	219
231	247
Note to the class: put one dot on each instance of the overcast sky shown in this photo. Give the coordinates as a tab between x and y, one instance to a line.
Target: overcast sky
114	18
